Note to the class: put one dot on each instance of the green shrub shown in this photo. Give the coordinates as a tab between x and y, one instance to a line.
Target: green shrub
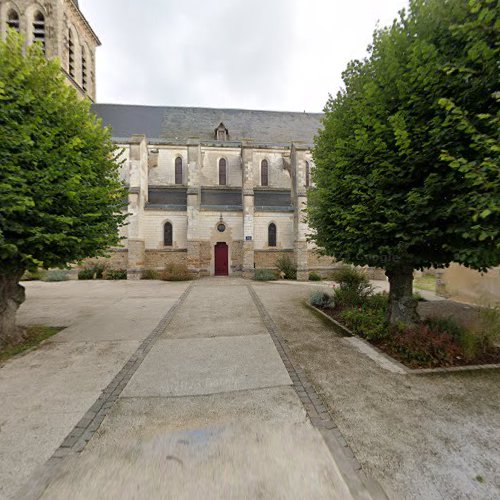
176	272
33	275
354	288
116	274
56	275
99	270
86	274
314	277
287	267
350	277
365	322
321	299
150	274
446	325
265	275
464	338
378	301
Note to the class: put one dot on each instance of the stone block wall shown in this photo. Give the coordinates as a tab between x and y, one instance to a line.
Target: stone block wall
158	259
266	259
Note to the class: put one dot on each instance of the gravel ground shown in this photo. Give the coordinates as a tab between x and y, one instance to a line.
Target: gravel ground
423	437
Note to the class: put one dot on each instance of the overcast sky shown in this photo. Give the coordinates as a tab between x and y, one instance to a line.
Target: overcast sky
285	55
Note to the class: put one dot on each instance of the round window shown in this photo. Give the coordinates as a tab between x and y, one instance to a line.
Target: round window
221	228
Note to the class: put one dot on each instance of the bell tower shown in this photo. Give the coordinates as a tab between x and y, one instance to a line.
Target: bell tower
63	31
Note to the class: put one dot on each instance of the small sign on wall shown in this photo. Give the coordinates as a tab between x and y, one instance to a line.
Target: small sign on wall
248	238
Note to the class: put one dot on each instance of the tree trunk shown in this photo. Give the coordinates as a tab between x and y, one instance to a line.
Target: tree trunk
11	297
402	305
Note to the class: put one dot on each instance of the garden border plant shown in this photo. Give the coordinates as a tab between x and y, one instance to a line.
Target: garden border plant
432	343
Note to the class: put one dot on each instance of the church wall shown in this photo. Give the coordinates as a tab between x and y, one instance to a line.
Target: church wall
209	173
164	173
124	159
278	176
153	223
266	259
284	226
159	259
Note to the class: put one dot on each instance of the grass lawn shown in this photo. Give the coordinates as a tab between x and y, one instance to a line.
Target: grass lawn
33	337
425	282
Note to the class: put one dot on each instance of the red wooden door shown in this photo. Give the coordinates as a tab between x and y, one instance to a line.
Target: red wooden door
221	260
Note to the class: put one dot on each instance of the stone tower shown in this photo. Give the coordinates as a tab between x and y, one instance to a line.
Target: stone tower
62	29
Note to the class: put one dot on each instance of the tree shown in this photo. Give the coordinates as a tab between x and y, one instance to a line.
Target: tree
407	166
61	198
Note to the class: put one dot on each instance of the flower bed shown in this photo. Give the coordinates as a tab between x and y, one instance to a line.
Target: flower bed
434	343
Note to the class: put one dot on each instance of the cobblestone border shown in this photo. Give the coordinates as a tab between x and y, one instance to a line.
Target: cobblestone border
83	431
357	481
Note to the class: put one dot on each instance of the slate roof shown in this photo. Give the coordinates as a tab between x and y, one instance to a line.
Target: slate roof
180	124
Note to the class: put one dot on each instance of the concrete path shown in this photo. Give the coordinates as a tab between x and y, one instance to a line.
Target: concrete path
46	392
210	412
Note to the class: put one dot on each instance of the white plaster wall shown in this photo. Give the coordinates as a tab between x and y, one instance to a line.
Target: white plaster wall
209	220
164	173
209	174
278	176
284	226
153	222
124	159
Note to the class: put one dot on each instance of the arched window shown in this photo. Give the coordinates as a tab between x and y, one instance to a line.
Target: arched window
308	174
84	69
178	170
264	173
222	172
168	234
39	29
71	54
271	235
13	20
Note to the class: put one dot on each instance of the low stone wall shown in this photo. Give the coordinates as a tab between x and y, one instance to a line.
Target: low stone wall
118	259
466	285
158	259
266	259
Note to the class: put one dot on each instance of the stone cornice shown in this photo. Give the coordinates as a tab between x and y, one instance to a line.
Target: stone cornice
76	10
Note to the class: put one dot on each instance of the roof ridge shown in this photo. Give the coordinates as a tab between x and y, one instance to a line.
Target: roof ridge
206	108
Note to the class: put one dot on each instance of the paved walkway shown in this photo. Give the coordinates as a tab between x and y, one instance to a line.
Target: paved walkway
204	408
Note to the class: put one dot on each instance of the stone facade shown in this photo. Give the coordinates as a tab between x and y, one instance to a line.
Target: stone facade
65	33
202	209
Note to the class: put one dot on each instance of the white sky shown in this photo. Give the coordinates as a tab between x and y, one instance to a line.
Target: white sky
285	55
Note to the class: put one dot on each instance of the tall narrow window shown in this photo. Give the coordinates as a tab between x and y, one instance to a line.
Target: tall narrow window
168	234
13	20
84	70
271	235
71	54
264	173
308	174
178	170
222	172
39	29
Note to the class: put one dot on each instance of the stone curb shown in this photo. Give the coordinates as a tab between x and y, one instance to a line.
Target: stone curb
76	441
400	367
357	482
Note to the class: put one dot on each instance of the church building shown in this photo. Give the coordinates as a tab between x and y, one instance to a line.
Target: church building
220	190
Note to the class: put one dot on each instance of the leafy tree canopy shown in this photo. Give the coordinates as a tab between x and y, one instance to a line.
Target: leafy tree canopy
61	198
60	195
407	166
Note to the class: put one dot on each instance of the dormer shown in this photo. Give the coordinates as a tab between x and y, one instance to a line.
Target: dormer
221	133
